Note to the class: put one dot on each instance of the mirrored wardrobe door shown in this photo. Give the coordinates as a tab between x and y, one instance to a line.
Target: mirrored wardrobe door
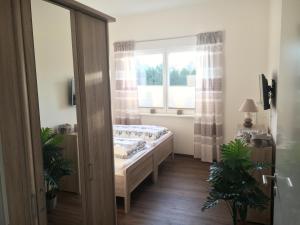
58	113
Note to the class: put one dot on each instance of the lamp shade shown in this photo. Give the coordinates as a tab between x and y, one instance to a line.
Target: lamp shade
248	106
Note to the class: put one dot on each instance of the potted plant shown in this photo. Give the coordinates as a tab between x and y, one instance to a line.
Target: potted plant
55	166
232	181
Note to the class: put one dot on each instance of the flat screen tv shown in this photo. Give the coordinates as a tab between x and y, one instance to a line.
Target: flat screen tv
72	96
264	91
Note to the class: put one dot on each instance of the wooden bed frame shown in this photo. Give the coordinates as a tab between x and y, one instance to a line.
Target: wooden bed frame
135	173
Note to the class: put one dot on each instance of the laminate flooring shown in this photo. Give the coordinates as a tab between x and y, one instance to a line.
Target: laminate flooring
176	199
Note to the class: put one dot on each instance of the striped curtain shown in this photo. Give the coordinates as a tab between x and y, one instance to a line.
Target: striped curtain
126	96
208	122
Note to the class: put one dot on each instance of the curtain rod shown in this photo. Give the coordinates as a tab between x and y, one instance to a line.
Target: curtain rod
164	39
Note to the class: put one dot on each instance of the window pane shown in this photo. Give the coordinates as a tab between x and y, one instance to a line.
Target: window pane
149	69
182	77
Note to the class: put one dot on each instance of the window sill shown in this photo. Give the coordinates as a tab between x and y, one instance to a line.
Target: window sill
167	115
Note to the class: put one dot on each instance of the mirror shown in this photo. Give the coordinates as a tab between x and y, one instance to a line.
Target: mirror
56	91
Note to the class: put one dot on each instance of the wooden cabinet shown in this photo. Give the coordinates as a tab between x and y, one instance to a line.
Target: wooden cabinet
23	177
71	152
19	114
262	155
259	154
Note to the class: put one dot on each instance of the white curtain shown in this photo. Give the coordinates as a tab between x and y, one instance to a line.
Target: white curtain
126	96
208	123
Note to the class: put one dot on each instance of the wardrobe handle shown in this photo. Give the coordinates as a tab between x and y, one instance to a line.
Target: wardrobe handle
91	175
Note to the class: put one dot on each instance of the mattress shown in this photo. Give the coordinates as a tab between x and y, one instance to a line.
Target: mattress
145	132
125	148
122	164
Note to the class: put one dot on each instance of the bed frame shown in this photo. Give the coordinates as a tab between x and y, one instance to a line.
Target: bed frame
136	172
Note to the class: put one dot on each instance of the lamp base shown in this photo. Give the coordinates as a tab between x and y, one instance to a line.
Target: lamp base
248	123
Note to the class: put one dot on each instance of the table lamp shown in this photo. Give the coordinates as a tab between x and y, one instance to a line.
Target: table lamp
248	107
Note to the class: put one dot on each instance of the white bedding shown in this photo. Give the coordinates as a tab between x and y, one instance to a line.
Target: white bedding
125	148
122	164
145	132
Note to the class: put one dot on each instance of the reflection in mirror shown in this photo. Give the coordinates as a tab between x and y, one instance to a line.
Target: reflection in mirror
56	91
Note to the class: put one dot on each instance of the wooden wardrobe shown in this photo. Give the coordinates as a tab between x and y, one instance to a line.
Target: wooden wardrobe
19	114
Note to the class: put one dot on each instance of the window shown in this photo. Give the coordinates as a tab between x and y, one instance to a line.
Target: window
182	77
166	79
149	69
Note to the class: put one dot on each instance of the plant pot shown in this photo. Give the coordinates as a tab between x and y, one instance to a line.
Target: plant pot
51	203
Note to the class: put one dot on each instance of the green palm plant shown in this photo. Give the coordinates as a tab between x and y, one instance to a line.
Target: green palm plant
55	166
232	181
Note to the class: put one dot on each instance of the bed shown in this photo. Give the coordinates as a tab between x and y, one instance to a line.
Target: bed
130	172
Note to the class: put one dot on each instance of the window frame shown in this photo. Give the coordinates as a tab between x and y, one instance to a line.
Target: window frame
166	78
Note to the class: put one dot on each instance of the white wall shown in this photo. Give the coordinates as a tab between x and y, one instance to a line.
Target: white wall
54	62
274	53
246	24
274	35
183	128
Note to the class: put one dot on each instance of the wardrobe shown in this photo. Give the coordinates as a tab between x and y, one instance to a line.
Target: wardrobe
20	121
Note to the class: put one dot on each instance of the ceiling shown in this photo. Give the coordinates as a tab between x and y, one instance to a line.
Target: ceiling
127	7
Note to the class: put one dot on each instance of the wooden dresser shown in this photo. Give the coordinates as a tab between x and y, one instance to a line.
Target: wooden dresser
260	154
71	152
264	154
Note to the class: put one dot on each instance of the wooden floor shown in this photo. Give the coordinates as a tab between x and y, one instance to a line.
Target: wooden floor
176	199
68	210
